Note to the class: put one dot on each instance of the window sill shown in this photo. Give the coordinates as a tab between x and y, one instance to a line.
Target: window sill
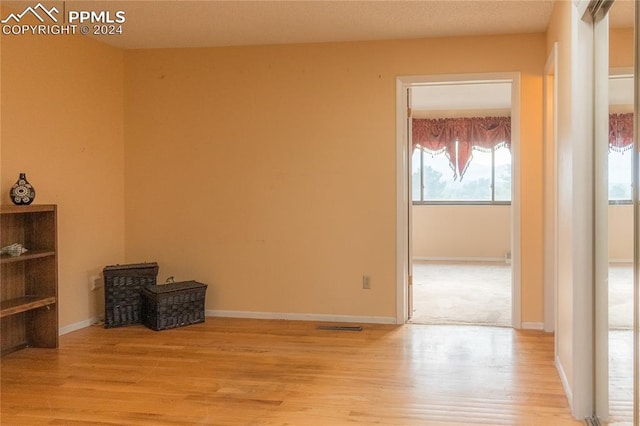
461	203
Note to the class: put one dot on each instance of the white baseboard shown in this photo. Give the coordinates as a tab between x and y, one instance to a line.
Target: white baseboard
532	326
78	325
254	315
565	382
630	261
459	259
300	317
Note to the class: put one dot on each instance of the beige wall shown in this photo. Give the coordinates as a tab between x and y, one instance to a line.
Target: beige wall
269	172
484	232
62	124
464	232
621	232
266	172
621	47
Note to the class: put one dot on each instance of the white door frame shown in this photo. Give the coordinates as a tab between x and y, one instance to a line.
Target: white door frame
601	222
550	176
402	175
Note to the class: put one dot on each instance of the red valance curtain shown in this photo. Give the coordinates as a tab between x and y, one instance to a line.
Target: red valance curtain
488	133
441	134
620	131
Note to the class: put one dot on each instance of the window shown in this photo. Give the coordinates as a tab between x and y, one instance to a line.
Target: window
487	179
620	157
620	176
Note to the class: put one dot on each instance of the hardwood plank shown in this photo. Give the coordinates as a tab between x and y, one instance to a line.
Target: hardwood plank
235	371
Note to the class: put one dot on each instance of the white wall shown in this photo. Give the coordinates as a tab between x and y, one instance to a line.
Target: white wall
574	356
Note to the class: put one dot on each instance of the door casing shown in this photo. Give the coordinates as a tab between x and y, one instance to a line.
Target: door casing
403	200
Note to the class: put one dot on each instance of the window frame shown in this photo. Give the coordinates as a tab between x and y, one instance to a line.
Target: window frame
625	201
492	202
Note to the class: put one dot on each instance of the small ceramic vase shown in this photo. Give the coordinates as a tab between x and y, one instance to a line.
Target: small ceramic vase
22	192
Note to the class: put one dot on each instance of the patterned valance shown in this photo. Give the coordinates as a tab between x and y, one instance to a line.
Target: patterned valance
458	137
468	133
620	131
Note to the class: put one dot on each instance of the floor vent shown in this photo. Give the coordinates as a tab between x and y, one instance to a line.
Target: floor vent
592	421
340	327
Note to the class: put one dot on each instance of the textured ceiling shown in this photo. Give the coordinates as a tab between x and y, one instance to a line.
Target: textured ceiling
229	23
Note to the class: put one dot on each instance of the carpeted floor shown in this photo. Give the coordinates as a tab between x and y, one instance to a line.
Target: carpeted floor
480	293
461	293
620	296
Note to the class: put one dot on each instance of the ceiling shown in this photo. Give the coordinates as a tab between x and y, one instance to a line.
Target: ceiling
461	96
229	23
189	23
184	23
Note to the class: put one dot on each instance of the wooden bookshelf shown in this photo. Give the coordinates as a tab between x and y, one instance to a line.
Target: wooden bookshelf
29	290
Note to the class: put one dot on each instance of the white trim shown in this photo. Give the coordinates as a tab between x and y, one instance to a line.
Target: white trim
532	326
254	315
601	218
402	202
582	234
78	325
460	259
299	317
516	241
621	261
550	216
565	383
636	223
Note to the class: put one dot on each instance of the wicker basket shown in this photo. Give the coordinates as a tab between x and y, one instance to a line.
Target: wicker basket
123	286
173	305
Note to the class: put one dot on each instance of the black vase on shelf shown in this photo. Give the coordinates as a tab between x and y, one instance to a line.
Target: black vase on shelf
22	192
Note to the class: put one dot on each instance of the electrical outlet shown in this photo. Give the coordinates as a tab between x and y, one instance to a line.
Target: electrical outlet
95	282
366	282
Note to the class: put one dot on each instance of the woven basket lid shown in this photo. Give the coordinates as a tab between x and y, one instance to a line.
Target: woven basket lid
149	269
179	286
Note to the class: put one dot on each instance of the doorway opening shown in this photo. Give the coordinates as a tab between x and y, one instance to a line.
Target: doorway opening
464	197
460	203
620	246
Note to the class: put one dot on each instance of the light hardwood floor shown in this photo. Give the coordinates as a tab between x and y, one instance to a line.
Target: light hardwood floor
447	293
263	372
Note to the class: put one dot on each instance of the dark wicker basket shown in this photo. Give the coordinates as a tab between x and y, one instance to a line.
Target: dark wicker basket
173	305
123	286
